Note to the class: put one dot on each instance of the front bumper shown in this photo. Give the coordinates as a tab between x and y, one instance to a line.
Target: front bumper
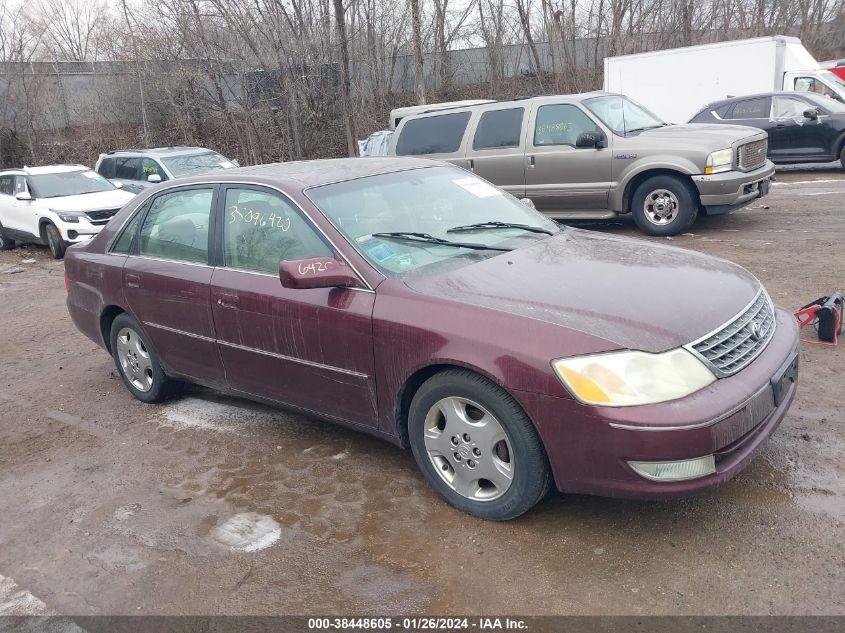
589	447
720	193
78	232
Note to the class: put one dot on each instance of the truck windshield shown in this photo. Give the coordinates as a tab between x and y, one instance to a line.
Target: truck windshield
622	115
194	164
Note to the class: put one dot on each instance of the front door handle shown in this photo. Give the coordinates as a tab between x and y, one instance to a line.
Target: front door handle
133	281
530	160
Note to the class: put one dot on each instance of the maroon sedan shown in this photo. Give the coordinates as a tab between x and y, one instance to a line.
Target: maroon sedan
414	301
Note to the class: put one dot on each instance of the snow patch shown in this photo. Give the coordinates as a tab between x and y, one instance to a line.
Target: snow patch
248	532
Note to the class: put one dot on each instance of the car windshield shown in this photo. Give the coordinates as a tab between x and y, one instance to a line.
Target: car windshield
622	115
68	183
427	202
194	164
831	105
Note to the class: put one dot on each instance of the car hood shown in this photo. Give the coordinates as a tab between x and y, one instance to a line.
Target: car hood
630	292
89	201
715	135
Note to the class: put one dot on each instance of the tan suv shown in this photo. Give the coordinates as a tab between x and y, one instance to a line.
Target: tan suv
597	156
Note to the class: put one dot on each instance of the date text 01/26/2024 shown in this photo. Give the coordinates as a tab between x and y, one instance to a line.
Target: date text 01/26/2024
417	624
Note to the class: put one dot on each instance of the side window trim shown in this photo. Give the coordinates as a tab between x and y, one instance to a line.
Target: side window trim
135	248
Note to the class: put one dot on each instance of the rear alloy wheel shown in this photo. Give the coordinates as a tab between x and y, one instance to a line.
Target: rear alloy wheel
476	446
664	205
6	244
54	240
138	363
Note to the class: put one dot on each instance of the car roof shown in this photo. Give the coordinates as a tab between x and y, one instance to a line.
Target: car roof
497	105
313	173
45	169
759	95
162	151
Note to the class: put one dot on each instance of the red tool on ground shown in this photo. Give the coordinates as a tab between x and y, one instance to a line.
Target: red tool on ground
825	314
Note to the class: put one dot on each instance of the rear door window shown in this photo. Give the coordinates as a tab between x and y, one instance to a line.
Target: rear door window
440	134
499	128
106	169
751	109
176	226
127	168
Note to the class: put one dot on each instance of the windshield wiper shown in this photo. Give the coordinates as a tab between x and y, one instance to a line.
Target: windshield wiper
425	238
498	225
646	127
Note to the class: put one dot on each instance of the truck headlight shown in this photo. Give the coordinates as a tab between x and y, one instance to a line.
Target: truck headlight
719	161
621	379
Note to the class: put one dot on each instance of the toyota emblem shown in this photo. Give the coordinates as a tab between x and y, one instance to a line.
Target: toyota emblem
755	330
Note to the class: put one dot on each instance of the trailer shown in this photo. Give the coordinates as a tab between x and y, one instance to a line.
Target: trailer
676	83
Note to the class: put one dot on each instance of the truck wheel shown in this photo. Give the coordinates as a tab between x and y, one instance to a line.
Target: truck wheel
54	240
664	205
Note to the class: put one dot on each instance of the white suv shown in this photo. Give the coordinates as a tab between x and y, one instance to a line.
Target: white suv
55	206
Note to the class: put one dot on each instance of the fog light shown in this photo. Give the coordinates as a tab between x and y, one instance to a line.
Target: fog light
72	235
676	471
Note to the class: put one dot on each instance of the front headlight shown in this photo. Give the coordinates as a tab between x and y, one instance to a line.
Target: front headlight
621	379
719	161
68	216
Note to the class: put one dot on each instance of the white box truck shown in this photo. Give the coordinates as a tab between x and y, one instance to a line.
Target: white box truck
676	83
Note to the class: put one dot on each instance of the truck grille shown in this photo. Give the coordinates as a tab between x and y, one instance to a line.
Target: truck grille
752	155
101	217
740	340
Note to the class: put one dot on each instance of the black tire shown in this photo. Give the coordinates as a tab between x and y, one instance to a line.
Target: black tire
842	157
683	200
54	240
6	244
161	385
531	476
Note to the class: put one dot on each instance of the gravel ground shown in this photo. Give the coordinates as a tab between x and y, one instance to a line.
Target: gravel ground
213	505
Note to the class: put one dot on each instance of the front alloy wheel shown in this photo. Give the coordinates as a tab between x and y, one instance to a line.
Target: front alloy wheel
476	446
469	449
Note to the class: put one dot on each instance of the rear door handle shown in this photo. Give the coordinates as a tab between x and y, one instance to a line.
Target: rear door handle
530	160
227	301
133	281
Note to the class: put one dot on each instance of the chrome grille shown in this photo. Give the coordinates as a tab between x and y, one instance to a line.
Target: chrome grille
740	340
101	217
752	155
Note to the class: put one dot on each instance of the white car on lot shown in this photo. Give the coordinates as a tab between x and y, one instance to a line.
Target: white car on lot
55	205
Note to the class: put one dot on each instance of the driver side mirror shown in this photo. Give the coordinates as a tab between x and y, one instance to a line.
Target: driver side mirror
23	196
811	114
317	272
154	178
590	139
